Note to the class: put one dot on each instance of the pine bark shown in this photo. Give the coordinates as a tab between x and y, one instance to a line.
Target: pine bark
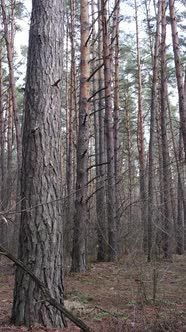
111	203
40	242
80	216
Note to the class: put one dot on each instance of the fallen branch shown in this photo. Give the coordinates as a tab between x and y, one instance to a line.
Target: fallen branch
78	322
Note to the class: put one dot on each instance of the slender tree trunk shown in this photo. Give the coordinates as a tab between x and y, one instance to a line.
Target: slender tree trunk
179	72
129	165
167	218
71	116
152	133
9	40
67	96
9	178
160	201
10	130
116	107
9	34
147	10
80	216
40	242
2	135
181	202
101	199
98	83
140	140
111	208
181	208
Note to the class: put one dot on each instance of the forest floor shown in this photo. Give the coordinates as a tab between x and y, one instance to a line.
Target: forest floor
130	295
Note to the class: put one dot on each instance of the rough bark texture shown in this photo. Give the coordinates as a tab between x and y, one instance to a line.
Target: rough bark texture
179	72
40	242
111	204
80	217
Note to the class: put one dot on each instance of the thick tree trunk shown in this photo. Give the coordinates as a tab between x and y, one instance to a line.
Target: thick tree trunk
111	204
80	216
40	242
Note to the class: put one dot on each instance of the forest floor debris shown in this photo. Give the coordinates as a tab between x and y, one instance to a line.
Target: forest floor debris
130	295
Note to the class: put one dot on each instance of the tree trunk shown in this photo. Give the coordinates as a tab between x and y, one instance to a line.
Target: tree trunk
9	34
101	199
181	202
152	134
2	135
167	218
181	207
179	72
40	242
9	40
71	116
116	107
98	83
111	204
129	163
80	216
140	140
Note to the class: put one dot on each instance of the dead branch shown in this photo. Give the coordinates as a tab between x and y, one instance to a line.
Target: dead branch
95	71
78	322
97	165
94	94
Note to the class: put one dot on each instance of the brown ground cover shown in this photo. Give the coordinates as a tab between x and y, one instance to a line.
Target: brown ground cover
129	295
